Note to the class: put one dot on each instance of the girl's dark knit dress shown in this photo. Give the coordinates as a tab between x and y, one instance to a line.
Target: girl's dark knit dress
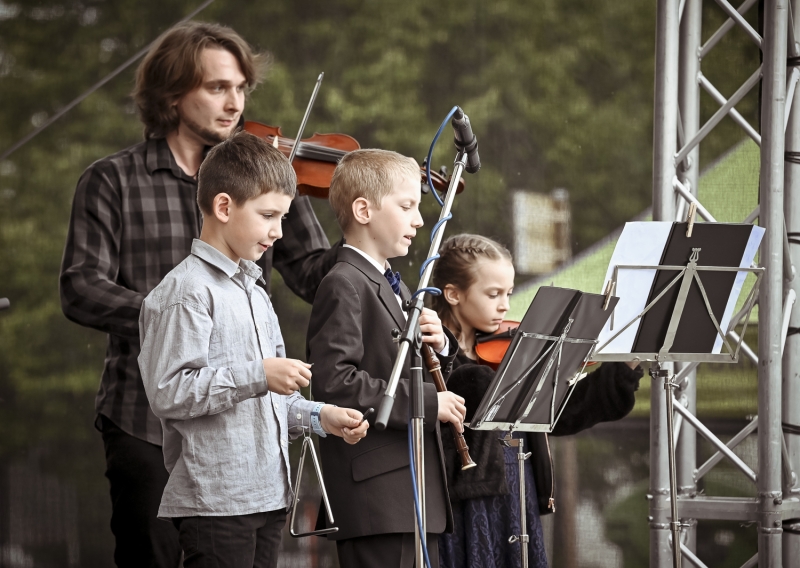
485	498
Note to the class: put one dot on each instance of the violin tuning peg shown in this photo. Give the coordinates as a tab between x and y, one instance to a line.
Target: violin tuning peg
443	171
424	185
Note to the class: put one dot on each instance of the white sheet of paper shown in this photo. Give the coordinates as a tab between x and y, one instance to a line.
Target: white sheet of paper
641	243
749	254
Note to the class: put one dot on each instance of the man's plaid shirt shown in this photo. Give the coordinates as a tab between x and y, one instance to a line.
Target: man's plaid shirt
133	219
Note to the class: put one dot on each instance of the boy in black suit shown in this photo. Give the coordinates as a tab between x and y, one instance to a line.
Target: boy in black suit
375	195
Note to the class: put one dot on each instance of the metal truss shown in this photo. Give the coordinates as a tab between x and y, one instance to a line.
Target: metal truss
679	81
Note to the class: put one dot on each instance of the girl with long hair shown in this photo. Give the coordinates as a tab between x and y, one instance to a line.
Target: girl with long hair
476	276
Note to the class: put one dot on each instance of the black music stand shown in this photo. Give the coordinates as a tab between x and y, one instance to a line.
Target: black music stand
683	322
686	304
541	367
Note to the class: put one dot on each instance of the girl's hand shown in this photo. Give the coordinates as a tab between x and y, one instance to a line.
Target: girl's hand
431	327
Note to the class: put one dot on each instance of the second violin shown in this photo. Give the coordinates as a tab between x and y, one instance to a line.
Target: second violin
317	156
490	348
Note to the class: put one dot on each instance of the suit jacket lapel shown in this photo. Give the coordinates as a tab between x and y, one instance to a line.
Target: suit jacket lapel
385	292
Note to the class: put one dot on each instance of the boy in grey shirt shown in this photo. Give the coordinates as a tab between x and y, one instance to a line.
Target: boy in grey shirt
214	368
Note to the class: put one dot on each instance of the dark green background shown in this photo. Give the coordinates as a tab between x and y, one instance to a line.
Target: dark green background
559	93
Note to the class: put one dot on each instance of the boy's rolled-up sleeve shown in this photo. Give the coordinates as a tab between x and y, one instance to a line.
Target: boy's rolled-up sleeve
299	411
178	379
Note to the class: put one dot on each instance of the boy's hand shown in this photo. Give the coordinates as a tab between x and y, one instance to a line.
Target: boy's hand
343	422
452	409
285	376
431	327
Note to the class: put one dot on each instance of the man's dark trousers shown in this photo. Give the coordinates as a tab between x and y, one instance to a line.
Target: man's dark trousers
136	471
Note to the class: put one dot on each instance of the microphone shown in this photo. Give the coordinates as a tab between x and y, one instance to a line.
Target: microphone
465	140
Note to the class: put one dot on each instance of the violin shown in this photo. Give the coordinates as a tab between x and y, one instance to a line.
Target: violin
317	156
490	348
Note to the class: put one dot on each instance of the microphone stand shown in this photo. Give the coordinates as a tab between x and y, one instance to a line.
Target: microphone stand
410	338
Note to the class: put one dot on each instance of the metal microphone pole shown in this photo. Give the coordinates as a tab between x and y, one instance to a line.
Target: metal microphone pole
467	158
418	442
411	337
412	322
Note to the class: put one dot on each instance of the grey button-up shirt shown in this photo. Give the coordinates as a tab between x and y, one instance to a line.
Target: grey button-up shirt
205	330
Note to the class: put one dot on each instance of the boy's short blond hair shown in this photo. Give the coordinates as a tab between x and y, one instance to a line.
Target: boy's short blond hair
368	173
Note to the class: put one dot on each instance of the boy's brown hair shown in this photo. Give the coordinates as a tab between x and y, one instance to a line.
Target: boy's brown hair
245	167
369	173
172	68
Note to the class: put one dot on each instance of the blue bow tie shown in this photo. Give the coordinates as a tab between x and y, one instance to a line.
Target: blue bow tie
394	280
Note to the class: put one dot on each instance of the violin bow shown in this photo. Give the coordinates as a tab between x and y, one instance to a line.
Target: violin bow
305	118
307	440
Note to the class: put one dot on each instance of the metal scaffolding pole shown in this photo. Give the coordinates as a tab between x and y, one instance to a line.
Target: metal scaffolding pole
678	54
770	314
791	354
664	147
689	174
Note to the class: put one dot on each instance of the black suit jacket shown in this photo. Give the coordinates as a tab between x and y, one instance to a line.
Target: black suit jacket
350	343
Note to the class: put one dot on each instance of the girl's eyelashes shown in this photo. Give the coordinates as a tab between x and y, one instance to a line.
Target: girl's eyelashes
494	295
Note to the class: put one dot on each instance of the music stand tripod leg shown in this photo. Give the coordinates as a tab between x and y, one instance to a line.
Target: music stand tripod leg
523	538
675	524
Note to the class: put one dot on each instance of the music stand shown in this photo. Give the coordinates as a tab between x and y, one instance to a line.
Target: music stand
540	369
682	322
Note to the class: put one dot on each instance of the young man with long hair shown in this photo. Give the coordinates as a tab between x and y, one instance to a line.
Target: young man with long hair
134	217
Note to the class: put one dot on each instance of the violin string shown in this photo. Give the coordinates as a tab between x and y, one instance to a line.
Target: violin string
312	148
318	148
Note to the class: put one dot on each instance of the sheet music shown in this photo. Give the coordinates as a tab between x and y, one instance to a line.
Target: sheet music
749	255
550	347
641	243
